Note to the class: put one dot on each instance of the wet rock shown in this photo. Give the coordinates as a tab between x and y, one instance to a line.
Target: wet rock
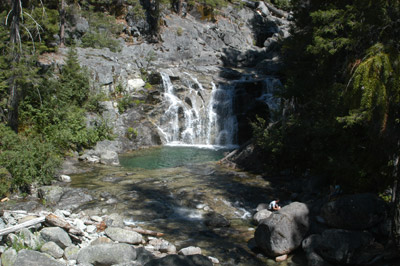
214	219
123	236
106	254
174	260
143	256
52	249
284	230
57	235
33	258
190	251
354	212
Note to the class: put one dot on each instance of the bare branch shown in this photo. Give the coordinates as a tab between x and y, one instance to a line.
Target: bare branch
38	27
8	16
30	35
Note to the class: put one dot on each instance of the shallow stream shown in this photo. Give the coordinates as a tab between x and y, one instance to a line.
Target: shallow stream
170	189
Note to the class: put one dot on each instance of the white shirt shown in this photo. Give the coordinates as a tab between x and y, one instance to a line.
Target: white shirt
272	205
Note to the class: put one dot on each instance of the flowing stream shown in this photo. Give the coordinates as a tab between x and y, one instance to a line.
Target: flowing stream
171	189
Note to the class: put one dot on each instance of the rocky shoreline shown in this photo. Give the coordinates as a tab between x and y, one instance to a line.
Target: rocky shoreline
65	238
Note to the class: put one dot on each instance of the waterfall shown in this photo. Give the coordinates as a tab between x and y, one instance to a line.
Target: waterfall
270	86
197	116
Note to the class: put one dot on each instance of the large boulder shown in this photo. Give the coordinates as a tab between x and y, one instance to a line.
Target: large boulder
106	254
72	198
180	260
123	236
354	212
309	246
284	230
214	219
33	258
56	235
348	247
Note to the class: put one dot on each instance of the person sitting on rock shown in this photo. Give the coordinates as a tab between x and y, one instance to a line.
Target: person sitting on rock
273	206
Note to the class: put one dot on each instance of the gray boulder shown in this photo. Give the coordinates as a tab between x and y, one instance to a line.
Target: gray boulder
354	212
50	194
71	252
179	260
284	230
52	249
261	215
34	258
309	245
9	257
109	158
57	235
72	198
123	236
190	251
349	247
107	254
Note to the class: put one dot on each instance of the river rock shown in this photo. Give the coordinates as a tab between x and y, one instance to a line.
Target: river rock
174	260
30	240
284	230
64	178
114	220
214	219
109	158
190	251
50	194
34	258
9	257
107	254
123	236
52	249
72	198
143	256
354	212
71	252
57	235
348	247
101	240
261	215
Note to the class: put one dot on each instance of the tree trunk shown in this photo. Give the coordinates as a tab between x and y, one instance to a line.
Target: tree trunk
13	101
62	24
396	204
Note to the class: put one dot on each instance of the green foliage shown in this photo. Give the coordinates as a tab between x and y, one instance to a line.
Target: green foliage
282	4
124	103
28	160
179	31
131	133
100	40
342	77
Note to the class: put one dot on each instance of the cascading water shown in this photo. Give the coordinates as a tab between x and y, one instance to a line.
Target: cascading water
197	116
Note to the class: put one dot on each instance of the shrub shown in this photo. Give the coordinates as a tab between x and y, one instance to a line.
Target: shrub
28	160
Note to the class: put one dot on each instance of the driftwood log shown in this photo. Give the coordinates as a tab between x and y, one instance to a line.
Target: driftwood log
20	226
54	220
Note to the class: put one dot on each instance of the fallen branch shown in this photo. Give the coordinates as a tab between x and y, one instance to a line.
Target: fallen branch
18	227
54	220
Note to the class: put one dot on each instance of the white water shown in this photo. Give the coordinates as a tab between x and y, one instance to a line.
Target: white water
195	116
